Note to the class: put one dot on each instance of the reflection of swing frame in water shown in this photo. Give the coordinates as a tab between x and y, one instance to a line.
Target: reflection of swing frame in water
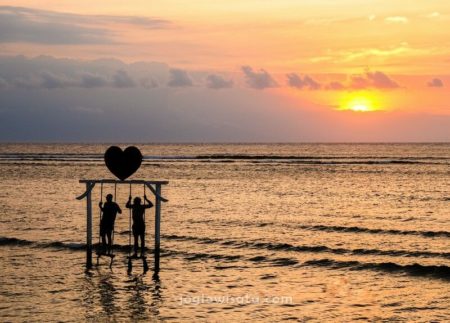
155	188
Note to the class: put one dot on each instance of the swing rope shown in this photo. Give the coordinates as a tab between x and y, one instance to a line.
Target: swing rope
100	219
145	233
112	235
129	228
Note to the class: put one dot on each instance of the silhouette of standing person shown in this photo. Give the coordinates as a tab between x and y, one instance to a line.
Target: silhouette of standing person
110	210
138	227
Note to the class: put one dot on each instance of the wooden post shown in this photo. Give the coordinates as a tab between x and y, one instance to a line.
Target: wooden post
157	227
88	228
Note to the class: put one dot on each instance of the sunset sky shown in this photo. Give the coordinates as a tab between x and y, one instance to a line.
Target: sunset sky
227	71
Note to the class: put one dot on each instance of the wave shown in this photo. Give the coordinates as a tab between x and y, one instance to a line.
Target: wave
442	272
432	271
224	156
296	157
319	160
311	249
334	228
390	267
59	245
99	162
238	244
7	241
375	231
76	157
327	160
4	241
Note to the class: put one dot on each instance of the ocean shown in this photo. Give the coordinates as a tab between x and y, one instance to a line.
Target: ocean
257	232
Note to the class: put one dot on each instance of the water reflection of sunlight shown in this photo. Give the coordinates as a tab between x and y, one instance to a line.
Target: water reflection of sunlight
100	295
140	305
107	295
110	297
137	304
156	296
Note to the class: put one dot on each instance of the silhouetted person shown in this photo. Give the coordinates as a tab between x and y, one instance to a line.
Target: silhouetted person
138	210
110	210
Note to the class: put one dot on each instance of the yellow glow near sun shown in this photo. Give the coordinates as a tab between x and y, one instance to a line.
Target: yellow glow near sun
359	102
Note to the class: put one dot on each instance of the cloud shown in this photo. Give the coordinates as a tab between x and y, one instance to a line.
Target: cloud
148	83
53	81
258	80
146	22
358	82
19	24
42	80
435	83
376	80
396	20
380	80
335	86
179	78
63	17
3	83
214	81
434	15
306	82
46	72
89	80
122	80
50	80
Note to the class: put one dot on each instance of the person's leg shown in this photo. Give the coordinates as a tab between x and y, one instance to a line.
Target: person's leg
109	241
135	244
103	235
142	236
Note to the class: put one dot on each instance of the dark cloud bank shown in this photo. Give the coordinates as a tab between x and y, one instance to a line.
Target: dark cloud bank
49	99
45	72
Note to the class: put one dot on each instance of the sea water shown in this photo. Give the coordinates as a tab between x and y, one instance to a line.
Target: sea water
261	232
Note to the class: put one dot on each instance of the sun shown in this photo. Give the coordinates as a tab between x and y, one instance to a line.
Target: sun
359	108
359	102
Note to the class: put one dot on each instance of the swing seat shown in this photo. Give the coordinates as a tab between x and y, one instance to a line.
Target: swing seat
136	257
110	255
144	263
103	254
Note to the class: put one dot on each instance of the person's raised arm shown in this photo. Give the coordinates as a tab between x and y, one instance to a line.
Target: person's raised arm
100	205
150	204
128	206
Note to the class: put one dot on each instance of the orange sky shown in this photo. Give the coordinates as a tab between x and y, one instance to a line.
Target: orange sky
393	55
312	36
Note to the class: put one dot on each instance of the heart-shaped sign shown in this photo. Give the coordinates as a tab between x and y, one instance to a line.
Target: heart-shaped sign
124	163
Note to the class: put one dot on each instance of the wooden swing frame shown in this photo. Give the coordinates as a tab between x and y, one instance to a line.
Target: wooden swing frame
155	188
